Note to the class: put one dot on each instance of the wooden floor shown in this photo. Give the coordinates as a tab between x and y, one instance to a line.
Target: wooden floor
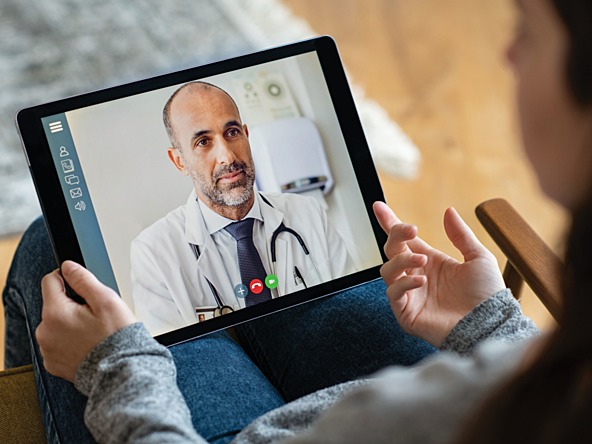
437	67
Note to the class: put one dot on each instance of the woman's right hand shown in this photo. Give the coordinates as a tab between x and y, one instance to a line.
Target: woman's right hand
429	291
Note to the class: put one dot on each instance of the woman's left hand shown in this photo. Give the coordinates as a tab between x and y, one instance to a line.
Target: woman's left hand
68	330
429	291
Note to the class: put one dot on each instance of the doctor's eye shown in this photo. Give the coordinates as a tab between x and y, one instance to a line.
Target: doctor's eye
202	142
233	132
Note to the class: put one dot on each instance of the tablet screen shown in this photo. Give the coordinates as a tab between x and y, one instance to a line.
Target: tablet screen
214	194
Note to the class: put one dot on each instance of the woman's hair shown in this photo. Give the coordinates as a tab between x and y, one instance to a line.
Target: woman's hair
551	400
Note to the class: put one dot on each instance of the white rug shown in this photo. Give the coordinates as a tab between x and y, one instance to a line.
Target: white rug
55	48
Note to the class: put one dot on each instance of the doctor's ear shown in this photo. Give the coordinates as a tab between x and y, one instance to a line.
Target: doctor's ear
245	129
177	158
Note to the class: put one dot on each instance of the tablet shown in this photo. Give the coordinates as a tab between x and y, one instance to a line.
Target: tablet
214	195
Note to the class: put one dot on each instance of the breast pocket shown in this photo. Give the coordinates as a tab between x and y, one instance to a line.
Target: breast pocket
297	270
314	272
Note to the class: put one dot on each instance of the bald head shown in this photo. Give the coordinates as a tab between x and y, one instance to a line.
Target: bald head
196	91
211	145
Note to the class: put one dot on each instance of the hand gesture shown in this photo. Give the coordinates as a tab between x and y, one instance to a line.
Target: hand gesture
69	331
429	291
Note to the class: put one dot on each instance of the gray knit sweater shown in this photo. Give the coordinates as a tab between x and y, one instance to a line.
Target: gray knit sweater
133	397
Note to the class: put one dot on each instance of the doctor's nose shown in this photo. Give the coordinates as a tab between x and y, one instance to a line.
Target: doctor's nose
224	154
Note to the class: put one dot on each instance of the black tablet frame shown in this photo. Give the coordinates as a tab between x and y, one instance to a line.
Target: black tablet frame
53	202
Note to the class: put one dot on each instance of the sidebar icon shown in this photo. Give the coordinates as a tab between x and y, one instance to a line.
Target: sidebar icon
56	127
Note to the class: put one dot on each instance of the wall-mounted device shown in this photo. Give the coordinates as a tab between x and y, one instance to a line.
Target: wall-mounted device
290	157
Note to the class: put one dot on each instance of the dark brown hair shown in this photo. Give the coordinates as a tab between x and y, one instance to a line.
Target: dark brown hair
551	400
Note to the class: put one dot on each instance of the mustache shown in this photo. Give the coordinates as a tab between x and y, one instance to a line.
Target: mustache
234	167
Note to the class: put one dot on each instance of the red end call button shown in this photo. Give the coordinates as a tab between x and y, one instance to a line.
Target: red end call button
256	286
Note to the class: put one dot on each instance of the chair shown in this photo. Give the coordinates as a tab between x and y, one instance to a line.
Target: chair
20	416
529	259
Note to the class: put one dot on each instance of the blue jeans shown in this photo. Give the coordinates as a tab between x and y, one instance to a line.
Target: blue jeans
226	385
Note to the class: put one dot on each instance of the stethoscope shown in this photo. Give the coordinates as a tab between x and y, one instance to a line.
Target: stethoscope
222	309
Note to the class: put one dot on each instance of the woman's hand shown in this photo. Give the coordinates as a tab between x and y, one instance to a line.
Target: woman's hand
68	330
431	292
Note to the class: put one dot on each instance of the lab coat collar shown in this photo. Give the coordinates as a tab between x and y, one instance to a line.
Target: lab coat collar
196	229
216	222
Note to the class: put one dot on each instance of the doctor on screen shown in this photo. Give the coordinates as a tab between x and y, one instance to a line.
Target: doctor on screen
230	246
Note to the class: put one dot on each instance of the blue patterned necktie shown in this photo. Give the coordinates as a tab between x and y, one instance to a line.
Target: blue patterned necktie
249	261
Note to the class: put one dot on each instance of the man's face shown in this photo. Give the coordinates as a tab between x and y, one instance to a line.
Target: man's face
214	147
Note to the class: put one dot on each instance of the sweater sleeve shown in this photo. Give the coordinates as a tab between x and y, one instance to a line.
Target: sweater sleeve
498	318
128	379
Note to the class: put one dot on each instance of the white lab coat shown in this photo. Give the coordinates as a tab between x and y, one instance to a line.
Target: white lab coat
169	283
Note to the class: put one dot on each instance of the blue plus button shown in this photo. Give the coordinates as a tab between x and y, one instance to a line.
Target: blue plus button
241	290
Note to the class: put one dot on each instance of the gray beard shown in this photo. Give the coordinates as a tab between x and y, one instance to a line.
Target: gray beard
235	194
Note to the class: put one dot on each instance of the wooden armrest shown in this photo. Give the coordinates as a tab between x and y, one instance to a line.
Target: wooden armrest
529	257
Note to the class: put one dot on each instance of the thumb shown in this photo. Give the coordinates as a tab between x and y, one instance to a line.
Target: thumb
461	236
385	216
86	285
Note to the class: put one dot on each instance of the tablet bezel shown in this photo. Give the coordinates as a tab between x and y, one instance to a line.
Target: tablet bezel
53	202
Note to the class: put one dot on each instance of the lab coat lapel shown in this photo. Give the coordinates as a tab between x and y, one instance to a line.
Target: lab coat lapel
209	265
272	219
195	226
